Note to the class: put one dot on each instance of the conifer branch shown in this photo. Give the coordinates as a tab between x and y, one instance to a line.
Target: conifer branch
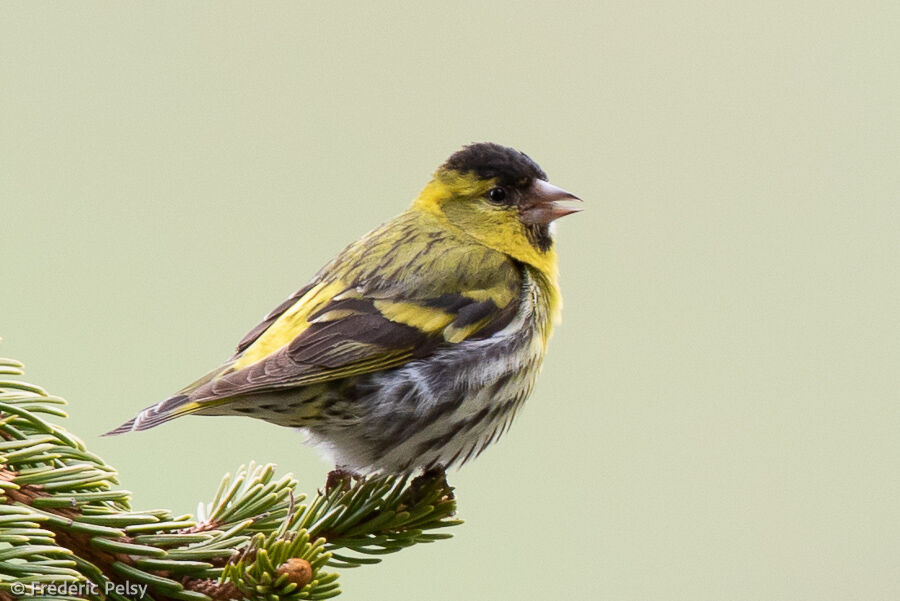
67	530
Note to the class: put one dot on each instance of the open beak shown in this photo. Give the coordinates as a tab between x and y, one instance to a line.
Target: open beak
542	203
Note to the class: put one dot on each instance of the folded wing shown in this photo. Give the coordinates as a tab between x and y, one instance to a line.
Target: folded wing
350	321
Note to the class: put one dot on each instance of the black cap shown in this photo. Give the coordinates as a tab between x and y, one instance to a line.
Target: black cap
488	160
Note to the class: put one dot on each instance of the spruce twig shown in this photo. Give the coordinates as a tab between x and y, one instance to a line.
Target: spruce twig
65	524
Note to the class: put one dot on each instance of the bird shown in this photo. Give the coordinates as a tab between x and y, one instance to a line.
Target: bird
415	347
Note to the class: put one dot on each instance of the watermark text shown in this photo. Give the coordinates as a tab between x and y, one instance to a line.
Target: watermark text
78	589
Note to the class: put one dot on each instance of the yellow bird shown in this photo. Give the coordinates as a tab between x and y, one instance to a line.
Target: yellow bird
414	347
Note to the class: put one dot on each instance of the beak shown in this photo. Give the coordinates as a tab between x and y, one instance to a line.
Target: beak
541	204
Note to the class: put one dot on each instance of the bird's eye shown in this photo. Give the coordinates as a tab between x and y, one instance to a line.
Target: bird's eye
497	195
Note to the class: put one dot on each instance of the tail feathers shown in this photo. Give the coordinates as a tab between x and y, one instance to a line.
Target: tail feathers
126	427
156	414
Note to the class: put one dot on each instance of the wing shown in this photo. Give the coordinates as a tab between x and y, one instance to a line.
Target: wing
396	295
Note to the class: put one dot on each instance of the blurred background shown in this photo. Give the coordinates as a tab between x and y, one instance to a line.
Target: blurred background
718	414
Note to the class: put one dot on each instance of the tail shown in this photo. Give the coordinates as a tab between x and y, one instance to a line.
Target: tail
154	415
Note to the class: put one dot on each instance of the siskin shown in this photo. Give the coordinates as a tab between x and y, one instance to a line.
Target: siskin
414	347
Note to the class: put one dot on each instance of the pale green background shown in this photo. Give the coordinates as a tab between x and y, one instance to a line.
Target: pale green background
718	416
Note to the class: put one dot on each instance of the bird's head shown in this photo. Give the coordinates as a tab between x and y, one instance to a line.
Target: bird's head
500	197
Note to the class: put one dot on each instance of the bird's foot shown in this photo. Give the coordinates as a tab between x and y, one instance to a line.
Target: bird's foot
340	478
432	479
